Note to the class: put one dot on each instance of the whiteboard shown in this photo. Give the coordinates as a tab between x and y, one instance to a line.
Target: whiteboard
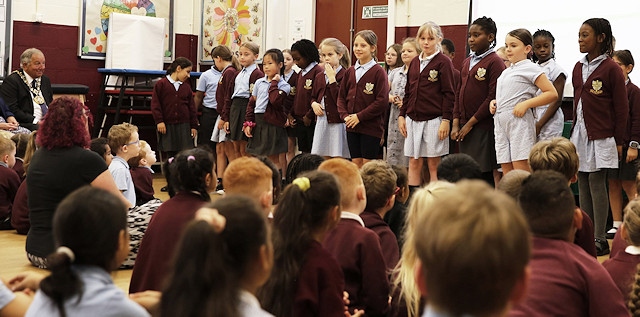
135	42
563	19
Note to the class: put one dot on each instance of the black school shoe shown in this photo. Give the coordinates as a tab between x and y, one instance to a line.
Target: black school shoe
602	247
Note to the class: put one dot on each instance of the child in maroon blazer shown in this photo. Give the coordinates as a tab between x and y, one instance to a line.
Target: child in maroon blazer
428	105
600	112
472	124
357	248
9	181
624	176
301	117
330	136
265	118
623	266
364	99
291	77
306	280
174	110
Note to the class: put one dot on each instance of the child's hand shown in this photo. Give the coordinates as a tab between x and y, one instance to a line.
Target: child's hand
492	106
276	78
291	121
520	110
454	132
149	300
352	120
226	127
331	73
356	313
26	280
463	132
632	154
317	109
402	126
194	133
162	128
247	131
397	101
306	121
220	125
443	131
12	120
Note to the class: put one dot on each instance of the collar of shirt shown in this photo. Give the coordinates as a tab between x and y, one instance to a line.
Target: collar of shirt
216	71
308	68
288	75
249	69
429	311
633	250
546	63
366	66
4	164
476	57
173	81
120	160
352	216
29	78
149	168
427	58
626	82
598	59
526	60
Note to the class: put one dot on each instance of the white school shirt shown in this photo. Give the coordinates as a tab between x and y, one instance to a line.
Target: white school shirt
553	71
119	169
594	154
362	69
425	61
307	69
6	295
261	92
250	307
241	88
176	83
208	84
517	84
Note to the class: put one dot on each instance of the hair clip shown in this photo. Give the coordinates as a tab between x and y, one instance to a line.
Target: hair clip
68	252
213	217
170	160
191	158
303	183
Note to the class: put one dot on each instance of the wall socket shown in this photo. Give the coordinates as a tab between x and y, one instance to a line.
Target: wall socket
39	17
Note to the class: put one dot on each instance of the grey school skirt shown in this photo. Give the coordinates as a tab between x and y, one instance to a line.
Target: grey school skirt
236	118
267	139
177	138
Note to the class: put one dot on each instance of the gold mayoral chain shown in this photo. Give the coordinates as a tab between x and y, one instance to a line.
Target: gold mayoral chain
37	94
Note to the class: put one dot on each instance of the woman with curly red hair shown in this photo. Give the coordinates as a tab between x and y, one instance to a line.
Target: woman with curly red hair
61	165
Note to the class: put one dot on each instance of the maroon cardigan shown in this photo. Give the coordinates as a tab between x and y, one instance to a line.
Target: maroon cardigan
288	102
143	183
9	183
330	93
369	103
477	89
633	94
429	93
255	75
605	106
274	114
388	240
225	90
20	210
171	106
304	88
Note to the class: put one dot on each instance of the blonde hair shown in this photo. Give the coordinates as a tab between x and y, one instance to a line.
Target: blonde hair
432	29
6	145
119	135
404	274
557	154
340	48
452	245
248	176
135	161
348	176
379	181
412	41
511	183
253	47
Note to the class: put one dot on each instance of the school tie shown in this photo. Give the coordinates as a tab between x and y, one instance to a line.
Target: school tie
43	106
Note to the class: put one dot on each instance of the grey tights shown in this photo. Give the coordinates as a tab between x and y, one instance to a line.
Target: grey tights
594	199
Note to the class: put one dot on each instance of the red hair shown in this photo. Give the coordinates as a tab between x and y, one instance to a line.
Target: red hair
64	125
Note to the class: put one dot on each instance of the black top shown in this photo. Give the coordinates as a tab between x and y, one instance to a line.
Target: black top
53	174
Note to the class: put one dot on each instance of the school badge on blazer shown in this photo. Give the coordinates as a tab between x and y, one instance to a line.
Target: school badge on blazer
596	87
251	89
308	83
433	75
480	74
293	91
368	88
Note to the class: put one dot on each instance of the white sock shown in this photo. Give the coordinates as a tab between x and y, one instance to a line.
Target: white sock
617	224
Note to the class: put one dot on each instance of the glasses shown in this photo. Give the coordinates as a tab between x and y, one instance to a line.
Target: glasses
136	142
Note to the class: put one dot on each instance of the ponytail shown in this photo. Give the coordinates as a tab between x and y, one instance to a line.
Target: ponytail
62	283
212	260
633	304
303	210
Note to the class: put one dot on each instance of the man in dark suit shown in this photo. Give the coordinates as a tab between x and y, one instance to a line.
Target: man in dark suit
27	91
